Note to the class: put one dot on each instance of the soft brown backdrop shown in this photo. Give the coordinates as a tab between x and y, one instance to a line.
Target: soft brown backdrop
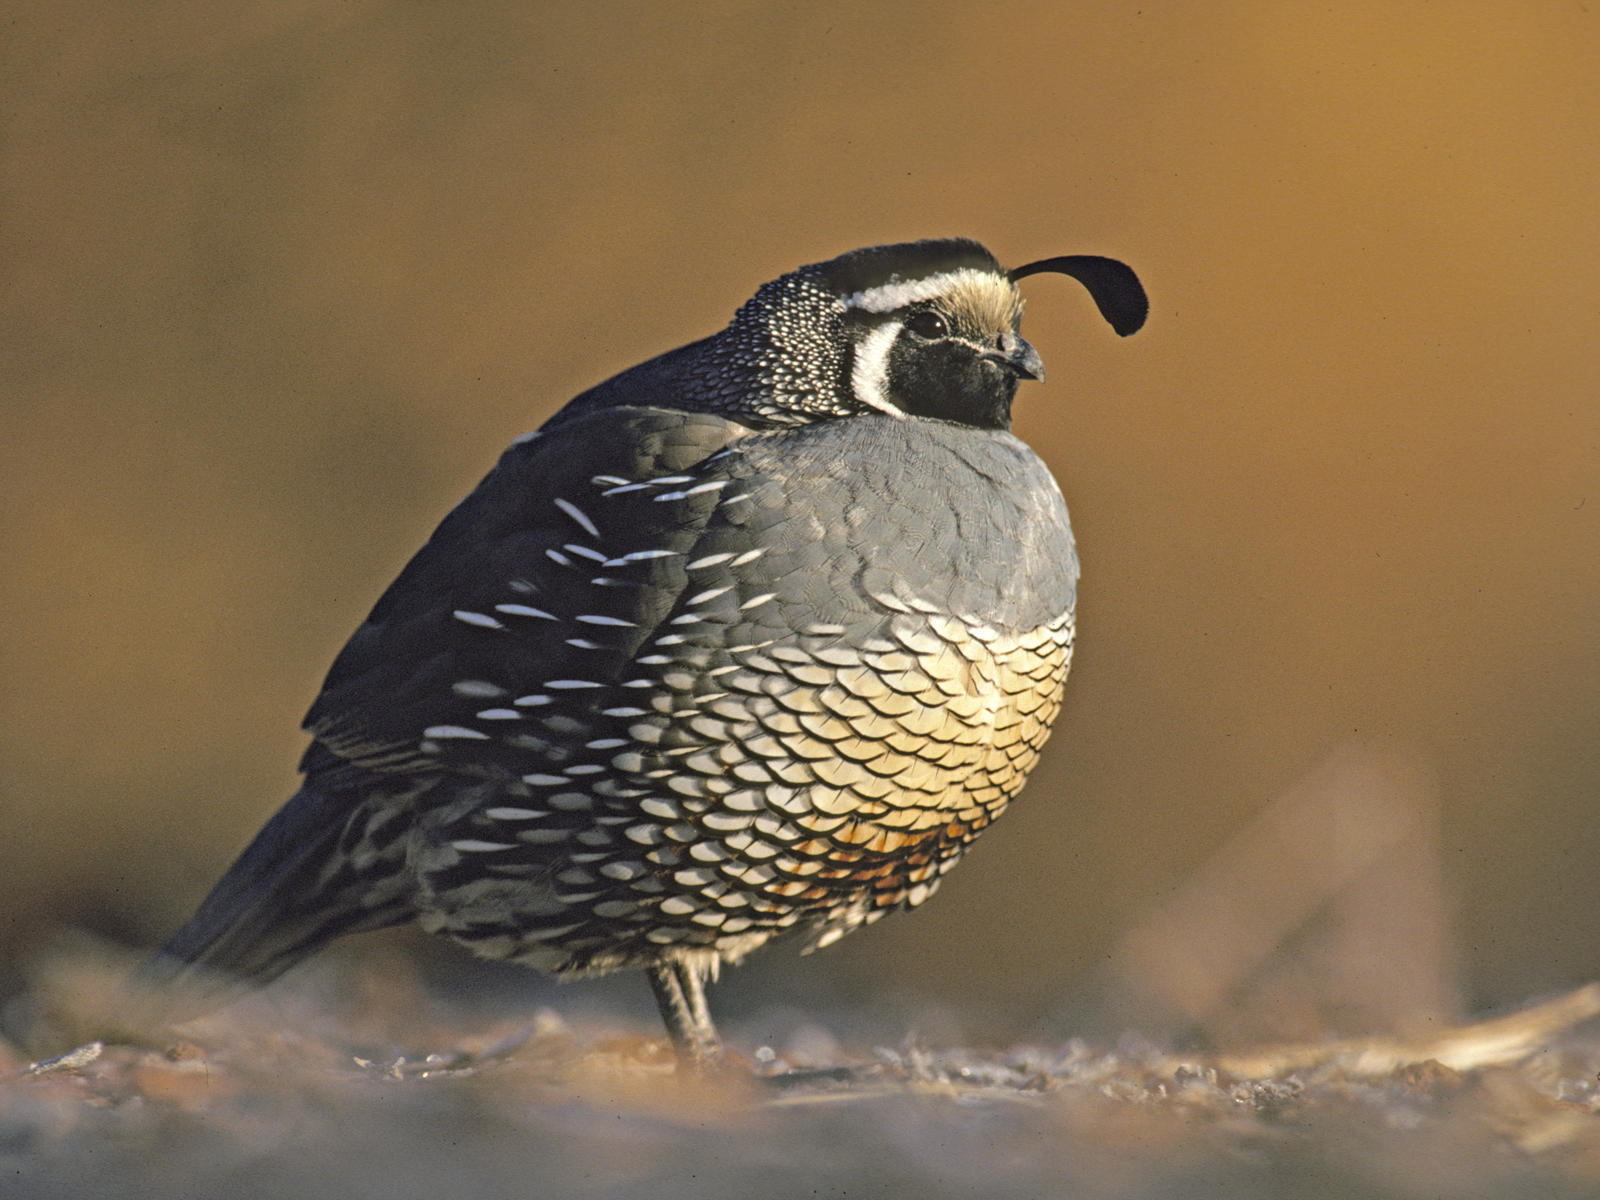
281	279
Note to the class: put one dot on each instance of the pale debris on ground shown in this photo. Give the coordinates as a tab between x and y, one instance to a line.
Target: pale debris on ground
256	1108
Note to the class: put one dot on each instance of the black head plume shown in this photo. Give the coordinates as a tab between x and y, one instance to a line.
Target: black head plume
1116	290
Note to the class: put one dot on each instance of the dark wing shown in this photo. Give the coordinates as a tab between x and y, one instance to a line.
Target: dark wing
529	602
491	657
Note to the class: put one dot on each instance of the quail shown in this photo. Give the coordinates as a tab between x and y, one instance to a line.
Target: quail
752	639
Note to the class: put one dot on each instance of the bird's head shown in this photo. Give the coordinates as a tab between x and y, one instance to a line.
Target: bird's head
926	329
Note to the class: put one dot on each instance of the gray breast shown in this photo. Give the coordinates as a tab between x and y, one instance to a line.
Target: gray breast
917	512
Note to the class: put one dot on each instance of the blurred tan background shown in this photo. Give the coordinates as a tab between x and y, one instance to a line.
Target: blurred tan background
278	281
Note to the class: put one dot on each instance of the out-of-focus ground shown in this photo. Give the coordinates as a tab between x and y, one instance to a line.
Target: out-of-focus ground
335	1088
277	283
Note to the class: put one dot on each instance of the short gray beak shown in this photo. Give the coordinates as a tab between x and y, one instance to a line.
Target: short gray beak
1018	356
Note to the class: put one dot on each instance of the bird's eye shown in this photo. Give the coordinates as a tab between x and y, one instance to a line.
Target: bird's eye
927	324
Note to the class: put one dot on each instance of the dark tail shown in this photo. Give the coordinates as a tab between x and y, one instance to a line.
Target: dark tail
319	869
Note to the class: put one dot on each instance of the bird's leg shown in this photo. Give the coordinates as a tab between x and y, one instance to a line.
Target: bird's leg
682	1000
694	991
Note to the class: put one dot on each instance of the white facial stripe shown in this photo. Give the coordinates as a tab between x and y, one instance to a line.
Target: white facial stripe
869	376
887	297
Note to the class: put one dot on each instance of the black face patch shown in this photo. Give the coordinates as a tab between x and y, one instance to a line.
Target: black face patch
949	380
